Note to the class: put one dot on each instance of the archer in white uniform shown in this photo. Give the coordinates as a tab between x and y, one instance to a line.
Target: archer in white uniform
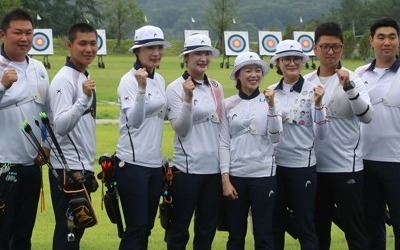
23	95
381	137
141	94
250	125
194	109
303	115
340	196
72	98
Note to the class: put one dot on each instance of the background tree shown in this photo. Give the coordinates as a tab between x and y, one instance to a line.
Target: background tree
123	17
59	15
220	16
7	5
350	44
364	48
37	9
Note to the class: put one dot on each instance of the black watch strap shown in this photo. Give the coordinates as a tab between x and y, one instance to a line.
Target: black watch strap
350	86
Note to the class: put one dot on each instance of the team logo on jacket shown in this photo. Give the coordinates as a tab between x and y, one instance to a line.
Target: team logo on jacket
41	74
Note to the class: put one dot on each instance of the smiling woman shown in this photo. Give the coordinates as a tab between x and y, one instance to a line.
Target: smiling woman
246	141
303	114
194	109
141	94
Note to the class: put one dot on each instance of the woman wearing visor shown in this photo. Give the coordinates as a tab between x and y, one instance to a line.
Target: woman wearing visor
250	125
303	116
194	105
141	94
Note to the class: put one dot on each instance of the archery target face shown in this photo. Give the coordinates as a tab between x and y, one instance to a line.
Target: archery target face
42	42
267	41
236	42
306	39
101	42
192	32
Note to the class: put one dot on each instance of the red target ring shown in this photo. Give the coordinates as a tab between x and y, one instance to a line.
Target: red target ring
40	42
236	43
306	42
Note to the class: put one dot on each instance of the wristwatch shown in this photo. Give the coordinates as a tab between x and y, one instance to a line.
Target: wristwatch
351	85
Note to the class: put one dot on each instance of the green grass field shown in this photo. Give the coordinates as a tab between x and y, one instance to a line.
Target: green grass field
104	234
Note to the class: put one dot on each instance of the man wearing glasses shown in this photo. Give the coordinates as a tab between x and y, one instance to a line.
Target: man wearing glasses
339	163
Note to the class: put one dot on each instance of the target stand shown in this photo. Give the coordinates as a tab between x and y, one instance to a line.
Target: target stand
46	62
235	43
42	45
313	66
223	63
100	62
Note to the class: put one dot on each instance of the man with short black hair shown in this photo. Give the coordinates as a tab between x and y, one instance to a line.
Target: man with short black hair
72	99
340	196
23	94
381	137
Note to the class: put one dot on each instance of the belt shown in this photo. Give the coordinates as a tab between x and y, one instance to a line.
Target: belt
2	164
26	100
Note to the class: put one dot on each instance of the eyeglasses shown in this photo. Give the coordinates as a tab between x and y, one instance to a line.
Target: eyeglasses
286	60
336	48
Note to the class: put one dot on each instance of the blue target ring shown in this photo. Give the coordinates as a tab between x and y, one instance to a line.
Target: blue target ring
40	41
236	43
269	43
99	42
306	43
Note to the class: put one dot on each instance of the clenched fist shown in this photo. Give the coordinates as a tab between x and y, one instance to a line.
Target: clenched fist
141	78
9	77
270	97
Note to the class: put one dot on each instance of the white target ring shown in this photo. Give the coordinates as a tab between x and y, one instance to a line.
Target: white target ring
267	42
306	40
236	42
306	43
42	42
101	42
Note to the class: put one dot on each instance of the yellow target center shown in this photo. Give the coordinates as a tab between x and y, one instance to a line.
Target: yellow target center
236	43
270	43
40	41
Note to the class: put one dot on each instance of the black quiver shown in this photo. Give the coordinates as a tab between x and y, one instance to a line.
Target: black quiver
110	197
